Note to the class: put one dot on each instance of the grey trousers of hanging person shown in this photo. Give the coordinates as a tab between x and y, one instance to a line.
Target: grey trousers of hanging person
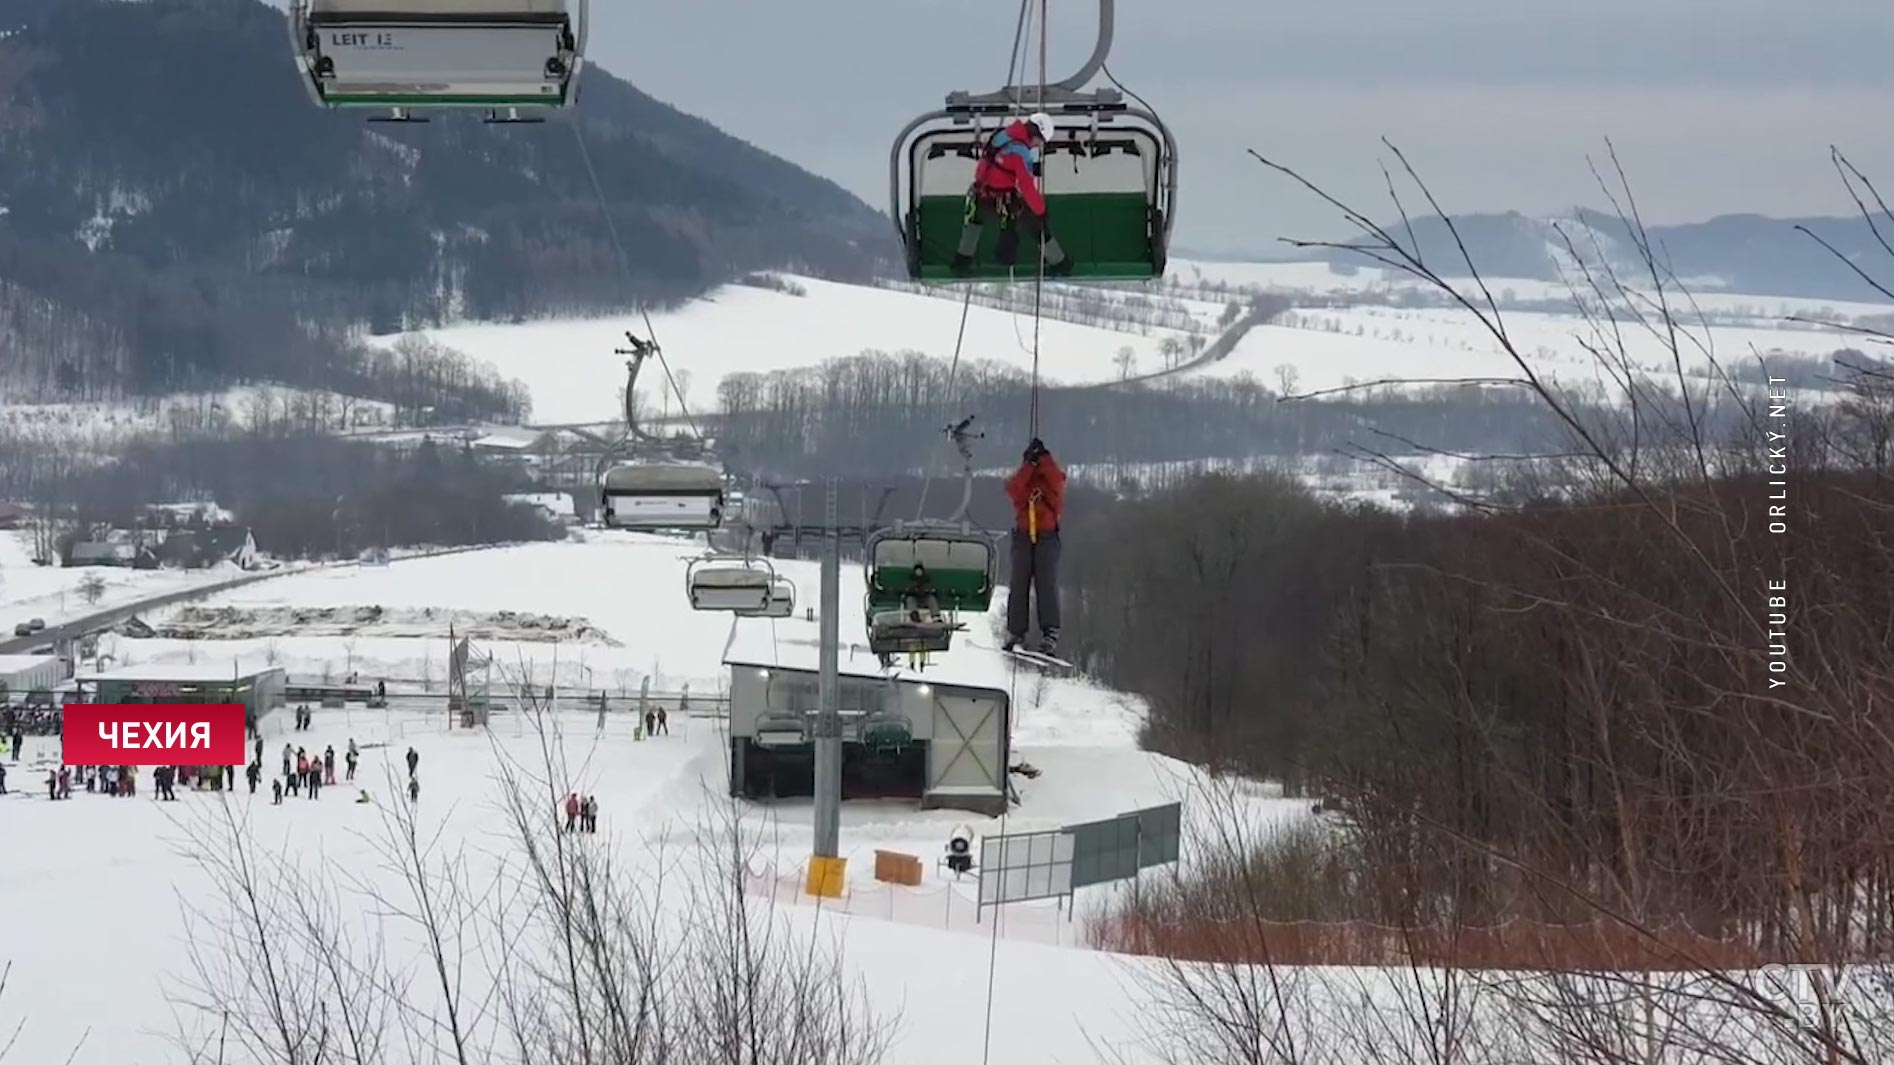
988	211
1035	570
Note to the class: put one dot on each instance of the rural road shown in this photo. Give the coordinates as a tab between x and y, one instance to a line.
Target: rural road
105	619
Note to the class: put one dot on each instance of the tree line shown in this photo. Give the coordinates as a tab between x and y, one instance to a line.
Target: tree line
1641	680
303	495
883	414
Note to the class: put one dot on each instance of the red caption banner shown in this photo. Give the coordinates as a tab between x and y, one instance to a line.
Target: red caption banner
155	734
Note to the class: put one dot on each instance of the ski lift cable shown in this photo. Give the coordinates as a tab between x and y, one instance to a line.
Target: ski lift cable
1039	279
1012	701
624	268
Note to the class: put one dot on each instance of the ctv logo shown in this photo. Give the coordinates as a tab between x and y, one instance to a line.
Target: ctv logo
154	734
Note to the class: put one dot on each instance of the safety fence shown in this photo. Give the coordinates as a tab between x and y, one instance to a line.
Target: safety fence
1598	946
952	906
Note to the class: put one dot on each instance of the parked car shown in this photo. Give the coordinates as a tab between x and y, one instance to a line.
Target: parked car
37	623
24	628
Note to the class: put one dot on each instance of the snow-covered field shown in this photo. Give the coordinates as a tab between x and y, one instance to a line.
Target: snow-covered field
1329	348
53	593
1371	283
574	376
103	426
101	880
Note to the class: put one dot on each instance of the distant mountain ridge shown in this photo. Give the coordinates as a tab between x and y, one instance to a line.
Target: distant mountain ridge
1747	253
159	160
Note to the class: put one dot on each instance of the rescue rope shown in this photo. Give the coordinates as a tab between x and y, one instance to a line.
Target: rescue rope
1012	699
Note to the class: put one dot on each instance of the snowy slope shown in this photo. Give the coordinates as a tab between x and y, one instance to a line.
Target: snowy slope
574	376
919	950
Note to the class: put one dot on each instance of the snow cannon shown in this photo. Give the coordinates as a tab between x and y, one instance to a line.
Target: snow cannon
960	850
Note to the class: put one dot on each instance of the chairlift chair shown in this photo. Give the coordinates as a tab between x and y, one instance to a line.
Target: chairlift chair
652	495
498	55
958	558
1108	176
730	585
782	601
883	732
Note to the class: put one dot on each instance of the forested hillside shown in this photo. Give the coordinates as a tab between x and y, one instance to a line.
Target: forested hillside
176	213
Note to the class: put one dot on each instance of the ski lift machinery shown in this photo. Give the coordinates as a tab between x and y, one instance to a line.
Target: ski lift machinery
647	494
500	55
1109	175
959	561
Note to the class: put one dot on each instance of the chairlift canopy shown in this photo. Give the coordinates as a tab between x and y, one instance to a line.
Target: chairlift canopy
486	54
1109	178
688	496
959	563
738	586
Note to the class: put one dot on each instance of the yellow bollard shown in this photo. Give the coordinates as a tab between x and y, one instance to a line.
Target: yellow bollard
826	877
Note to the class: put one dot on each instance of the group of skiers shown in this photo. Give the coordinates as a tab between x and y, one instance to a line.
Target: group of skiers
656	721
581	814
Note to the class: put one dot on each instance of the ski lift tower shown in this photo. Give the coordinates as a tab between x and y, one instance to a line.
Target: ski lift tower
469	701
826	866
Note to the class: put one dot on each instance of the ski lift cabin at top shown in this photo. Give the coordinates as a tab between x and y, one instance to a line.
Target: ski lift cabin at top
493	54
1109	175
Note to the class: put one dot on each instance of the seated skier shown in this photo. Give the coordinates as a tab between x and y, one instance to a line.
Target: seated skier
1006	190
921	596
1037	490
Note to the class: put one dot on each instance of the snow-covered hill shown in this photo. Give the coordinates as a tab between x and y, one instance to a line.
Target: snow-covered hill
97	875
574	376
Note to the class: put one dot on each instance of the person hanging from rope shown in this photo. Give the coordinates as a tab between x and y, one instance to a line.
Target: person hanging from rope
1037	490
1006	190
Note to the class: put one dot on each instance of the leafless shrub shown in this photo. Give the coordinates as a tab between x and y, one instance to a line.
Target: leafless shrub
563	949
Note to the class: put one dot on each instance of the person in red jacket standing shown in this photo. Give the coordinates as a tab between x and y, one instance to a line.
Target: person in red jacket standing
1037	490
1006	189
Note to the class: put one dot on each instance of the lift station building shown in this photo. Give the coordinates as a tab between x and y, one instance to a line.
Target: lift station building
939	735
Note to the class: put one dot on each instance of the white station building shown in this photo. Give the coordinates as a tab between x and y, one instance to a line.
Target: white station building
939	735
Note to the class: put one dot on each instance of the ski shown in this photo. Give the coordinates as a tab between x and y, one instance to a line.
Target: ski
1044	661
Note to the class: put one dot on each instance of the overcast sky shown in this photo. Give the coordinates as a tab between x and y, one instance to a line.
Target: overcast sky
1717	106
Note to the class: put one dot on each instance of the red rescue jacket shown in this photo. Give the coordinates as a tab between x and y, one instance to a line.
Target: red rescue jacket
572	806
1038	495
1006	166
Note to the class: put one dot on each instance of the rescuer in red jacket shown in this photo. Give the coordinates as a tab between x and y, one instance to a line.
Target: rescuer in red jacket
1006	190
1037	490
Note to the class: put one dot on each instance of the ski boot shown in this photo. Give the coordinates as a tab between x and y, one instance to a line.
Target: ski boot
962	265
1062	268
1012	643
1049	639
